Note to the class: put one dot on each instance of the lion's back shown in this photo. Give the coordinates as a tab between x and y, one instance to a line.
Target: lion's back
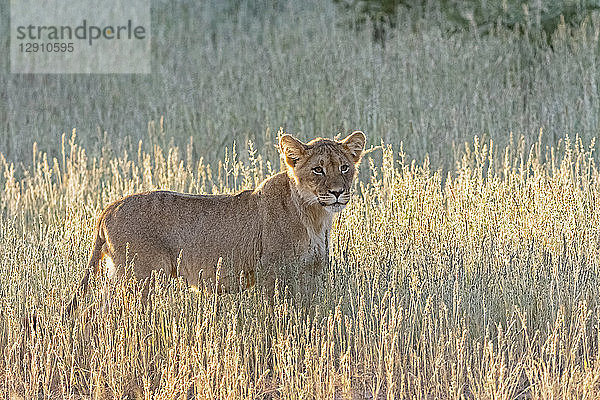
173	217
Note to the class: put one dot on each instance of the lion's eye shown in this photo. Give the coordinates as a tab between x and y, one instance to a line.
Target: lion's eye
318	170
344	168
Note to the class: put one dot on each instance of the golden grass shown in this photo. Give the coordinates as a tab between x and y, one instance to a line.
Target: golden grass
480	284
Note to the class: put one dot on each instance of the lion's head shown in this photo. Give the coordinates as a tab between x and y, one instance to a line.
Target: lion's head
323	169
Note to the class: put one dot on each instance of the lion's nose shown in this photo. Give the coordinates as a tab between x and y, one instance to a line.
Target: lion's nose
337	193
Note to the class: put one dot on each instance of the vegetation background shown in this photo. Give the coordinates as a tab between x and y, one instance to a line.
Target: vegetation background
459	270
226	71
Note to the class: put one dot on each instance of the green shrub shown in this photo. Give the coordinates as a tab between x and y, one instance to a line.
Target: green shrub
535	16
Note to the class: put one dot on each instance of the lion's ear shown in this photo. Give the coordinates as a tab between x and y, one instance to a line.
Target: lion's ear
292	149
355	144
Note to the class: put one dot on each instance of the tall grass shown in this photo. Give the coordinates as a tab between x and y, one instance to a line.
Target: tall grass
483	283
227	71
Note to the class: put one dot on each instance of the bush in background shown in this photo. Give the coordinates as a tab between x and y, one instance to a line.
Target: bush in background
534	16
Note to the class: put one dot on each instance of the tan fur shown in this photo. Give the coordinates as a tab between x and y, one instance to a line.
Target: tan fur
285	219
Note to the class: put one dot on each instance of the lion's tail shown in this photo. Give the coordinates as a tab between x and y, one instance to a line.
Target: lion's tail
93	266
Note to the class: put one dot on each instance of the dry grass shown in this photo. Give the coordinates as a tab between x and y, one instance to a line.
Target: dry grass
233	70
480	284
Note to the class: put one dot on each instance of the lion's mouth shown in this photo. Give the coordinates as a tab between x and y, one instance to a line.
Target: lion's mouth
334	207
336	203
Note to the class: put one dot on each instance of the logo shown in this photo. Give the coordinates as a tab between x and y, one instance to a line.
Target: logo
82	32
58	36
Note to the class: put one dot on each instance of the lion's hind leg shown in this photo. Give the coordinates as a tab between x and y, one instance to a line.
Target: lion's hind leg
132	272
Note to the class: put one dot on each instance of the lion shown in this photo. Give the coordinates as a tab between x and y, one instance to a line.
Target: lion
222	240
